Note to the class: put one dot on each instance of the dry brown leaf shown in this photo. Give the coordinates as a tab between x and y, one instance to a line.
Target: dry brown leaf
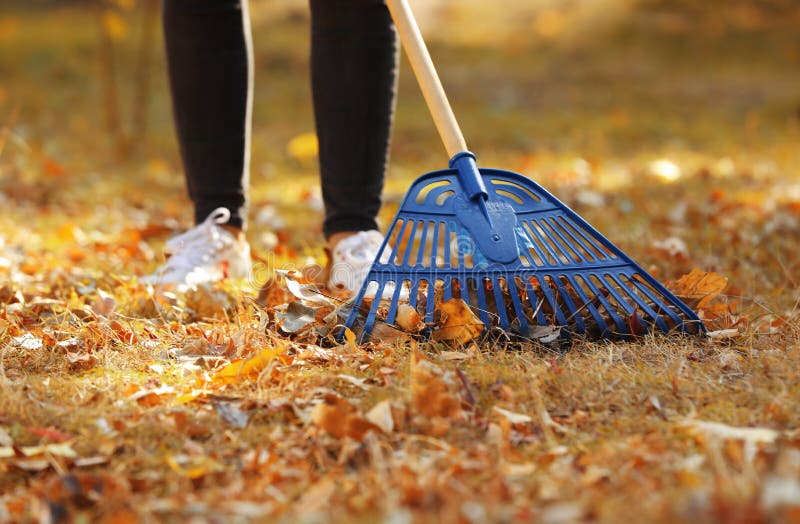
434	393
457	322
699	286
341	419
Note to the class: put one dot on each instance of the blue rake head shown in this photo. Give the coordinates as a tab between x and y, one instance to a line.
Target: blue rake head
518	256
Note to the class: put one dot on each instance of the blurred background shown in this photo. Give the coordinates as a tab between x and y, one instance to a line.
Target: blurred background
662	121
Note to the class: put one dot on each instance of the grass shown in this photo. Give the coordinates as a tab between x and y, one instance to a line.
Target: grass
604	431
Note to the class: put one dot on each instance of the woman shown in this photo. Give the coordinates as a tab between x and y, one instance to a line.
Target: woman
353	80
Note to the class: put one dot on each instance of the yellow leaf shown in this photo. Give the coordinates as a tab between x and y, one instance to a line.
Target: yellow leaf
198	467
351	338
240	370
303	146
115	27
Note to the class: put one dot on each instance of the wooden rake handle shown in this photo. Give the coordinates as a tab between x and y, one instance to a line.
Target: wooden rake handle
428	79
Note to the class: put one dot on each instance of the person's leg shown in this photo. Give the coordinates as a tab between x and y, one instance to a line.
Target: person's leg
209	56
353	73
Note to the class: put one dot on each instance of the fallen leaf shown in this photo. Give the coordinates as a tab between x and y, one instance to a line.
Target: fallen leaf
456	355
28	341
193	467
457	322
152	396
296	317
357	382
408	319
381	415
104	305
723	334
61	449
698	287
545	334
724	431
514	418
306	292
388	334
341	419
245	369
434	393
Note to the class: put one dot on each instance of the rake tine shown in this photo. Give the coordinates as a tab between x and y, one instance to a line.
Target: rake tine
446	244
413	293
396	247
422	243
535	245
543	242
641	303
656	299
410	243
480	291
353	315
435	247
598	247
627	308
620	324
515	299
373	311
564	245
501	305
431	302
564	257
390	317
548	292
571	307
569	240
535	302
588	303
447	288
522	238
587	252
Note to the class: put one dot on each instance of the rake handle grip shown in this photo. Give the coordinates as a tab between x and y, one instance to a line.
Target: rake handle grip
428	79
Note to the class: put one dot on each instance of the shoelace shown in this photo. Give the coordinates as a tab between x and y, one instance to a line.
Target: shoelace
219	216
194	247
361	247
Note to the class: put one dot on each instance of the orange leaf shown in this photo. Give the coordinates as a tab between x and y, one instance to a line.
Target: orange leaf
699	285
433	392
457	322
341	419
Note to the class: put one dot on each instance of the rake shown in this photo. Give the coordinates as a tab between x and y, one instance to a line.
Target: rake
520	258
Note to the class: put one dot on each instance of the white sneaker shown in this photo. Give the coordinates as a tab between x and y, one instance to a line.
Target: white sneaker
352	259
205	254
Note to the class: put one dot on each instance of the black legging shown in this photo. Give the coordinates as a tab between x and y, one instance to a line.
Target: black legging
353	80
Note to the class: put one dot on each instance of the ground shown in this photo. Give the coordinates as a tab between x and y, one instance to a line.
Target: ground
674	132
